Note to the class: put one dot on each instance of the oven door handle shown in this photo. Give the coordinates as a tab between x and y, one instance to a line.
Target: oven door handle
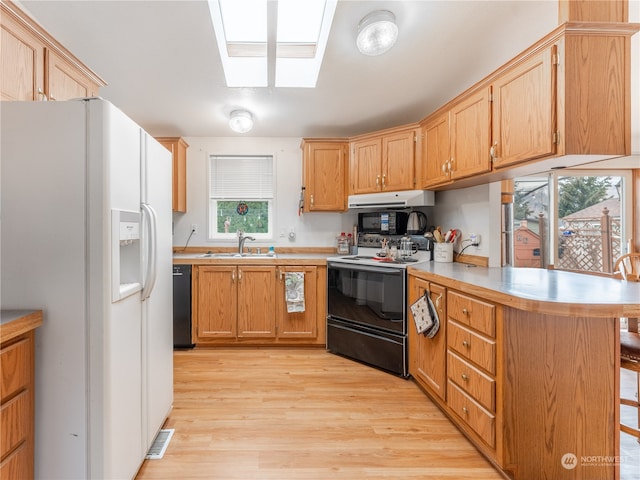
364	268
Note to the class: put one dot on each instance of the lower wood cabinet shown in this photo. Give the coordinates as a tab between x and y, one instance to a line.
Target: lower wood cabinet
246	304
458	366
427	356
17	407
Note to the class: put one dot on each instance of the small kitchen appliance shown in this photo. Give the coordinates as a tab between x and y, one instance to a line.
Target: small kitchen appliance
416	223
383	222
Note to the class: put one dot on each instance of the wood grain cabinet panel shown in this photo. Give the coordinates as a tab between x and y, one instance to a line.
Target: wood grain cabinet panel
22	62
256	302
427	356
17	406
524	114
365	172
436	151
398	161
472	413
246	305
479	385
324	175
298	324
472	312
480	350
34	66
178	148
64	81
471	135
215	304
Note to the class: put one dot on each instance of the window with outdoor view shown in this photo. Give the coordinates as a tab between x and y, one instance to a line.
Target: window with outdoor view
241	195
573	220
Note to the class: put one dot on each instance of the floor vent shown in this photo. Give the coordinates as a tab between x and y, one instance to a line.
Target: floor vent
160	444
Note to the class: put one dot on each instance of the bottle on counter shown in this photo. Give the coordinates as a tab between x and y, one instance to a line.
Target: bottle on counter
343	244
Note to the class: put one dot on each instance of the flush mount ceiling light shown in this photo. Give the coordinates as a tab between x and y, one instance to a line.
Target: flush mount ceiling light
241	121
377	33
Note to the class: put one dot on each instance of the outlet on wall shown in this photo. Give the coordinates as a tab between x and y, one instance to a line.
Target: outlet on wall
194	228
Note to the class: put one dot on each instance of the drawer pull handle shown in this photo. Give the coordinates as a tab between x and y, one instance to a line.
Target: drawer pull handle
464	377
466	344
464	409
465	311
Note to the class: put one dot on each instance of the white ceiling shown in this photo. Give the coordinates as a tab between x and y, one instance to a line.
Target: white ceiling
162	66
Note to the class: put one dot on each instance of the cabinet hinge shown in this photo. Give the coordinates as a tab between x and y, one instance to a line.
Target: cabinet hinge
556	138
555	59
491	97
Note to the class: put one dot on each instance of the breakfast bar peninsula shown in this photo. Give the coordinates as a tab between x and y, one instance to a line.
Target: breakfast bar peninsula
526	364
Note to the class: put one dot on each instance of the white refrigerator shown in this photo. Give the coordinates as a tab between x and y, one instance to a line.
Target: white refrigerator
85	223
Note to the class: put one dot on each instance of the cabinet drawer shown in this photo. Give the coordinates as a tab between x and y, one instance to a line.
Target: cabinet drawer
480	386
480	420
474	313
16	361
17	465
14	418
478	349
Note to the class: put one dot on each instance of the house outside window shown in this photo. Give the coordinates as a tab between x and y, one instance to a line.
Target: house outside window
241	194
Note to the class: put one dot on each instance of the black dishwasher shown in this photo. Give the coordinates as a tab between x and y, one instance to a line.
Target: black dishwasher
182	306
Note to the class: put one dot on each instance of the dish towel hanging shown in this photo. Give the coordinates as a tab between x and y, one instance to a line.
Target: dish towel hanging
425	316
294	291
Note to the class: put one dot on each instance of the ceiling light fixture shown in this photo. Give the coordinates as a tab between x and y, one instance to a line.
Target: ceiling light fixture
377	33
241	121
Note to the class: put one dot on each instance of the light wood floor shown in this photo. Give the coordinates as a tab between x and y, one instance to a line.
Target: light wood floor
305	414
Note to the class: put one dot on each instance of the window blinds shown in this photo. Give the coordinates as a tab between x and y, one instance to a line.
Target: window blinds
241	177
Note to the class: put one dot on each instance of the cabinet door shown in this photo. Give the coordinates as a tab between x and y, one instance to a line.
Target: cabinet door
524	117
215	302
298	324
436	152
21	62
178	148
398	161
471	135
427	356
324	175
366	166
256	301
65	81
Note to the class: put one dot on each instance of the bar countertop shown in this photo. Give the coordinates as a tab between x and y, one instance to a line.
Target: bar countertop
17	322
535	289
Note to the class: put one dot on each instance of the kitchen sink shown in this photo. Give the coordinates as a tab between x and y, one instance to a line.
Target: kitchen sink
237	255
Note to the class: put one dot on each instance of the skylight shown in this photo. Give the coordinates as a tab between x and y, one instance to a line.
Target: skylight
301	30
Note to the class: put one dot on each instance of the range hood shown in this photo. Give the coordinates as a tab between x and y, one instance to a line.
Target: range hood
408	198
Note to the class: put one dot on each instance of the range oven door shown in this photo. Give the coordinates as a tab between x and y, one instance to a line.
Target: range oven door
367	295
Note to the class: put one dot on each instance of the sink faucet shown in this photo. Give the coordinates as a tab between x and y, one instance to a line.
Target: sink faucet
241	239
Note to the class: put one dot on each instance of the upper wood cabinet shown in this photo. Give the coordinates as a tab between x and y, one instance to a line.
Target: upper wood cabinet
64	81
21	61
436	151
523	111
565	101
324	175
384	162
34	66
178	148
471	135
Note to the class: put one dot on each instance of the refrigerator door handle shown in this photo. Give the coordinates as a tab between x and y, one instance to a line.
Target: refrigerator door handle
152	245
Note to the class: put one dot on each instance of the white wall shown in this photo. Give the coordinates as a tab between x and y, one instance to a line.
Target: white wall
311	229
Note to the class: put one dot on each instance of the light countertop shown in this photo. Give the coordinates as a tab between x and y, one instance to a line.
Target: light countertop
539	290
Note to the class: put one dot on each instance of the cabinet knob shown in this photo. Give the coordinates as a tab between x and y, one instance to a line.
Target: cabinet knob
466	344
377	180
383	179
492	151
43	97
464	377
465	311
233	275
465	410
312	200
239	275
